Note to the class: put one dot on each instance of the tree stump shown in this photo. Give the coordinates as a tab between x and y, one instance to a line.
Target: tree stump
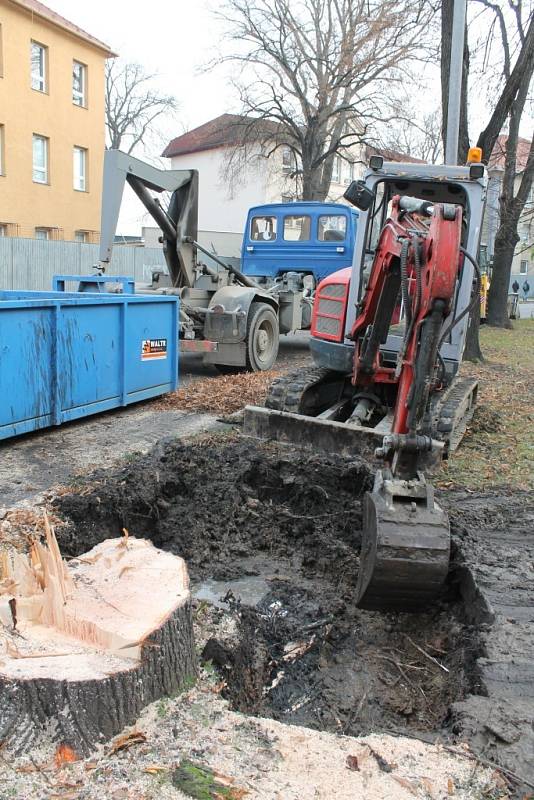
85	646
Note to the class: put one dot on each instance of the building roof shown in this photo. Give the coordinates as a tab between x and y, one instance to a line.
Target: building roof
498	155
223	131
35	7
230	129
393	155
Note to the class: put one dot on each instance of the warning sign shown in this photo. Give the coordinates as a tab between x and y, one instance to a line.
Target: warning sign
153	349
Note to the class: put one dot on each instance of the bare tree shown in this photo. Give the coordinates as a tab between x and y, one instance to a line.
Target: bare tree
132	105
419	138
516	182
510	28
316	74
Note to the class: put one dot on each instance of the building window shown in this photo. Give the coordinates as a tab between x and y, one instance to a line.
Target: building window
38	66
42	233
3	229
81	236
348	170
40	159
80	169
289	161
79	82
523	267
335	170
297	229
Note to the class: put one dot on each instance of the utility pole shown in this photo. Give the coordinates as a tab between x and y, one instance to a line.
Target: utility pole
455	81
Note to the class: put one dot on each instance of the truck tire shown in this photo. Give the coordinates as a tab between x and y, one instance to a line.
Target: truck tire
262	337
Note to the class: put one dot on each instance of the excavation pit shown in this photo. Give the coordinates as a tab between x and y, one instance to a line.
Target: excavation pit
271	538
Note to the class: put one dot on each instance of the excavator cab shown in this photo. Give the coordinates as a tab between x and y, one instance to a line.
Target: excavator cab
427	183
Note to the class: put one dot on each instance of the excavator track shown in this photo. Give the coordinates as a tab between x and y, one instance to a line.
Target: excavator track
294	392
455	411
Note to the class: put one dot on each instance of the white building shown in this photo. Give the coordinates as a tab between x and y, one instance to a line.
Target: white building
232	179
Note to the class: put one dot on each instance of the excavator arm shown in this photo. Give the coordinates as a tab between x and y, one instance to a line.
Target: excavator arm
406	540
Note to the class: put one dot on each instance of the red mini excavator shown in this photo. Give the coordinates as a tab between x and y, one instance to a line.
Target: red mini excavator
388	339
416	265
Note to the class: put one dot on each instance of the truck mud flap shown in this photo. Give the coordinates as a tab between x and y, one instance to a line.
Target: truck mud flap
320	434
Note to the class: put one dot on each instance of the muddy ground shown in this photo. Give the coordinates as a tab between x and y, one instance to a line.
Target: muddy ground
271	537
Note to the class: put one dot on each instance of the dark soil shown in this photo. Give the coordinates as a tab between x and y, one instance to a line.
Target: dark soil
264	514
303	653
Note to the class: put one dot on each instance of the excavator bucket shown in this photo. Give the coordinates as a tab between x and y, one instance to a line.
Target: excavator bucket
404	558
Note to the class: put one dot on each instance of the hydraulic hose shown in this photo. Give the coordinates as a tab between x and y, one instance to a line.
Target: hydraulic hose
475	299
404	282
410	319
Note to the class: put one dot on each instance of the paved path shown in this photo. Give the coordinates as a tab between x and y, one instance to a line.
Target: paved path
526	310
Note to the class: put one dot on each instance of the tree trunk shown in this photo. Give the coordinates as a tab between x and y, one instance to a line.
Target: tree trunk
505	243
312	185
472	350
87	646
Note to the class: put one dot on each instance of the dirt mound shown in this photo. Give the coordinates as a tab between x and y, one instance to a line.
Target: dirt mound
290	523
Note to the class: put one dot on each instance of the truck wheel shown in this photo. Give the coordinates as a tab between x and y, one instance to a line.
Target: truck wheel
262	337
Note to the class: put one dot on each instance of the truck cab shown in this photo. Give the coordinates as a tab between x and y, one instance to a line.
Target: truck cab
297	240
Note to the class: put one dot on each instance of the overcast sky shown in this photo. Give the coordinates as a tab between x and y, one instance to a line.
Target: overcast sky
173	39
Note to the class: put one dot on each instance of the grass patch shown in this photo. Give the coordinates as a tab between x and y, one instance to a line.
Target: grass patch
498	448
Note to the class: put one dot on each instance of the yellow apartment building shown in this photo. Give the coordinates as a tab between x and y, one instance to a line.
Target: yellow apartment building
52	124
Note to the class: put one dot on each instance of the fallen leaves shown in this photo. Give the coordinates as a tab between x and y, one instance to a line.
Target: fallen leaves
222	395
155	769
126	741
406	784
353	763
499	442
65	755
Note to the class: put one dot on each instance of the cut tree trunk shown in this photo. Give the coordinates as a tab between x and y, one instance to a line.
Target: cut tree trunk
84	647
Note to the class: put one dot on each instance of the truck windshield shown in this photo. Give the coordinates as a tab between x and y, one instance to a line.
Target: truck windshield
263	229
297	229
332	228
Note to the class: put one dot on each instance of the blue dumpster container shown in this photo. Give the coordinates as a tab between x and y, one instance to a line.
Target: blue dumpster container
65	355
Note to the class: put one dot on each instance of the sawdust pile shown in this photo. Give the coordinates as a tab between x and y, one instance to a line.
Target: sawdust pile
223	394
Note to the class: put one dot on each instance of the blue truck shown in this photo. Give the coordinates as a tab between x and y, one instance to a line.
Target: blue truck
233	315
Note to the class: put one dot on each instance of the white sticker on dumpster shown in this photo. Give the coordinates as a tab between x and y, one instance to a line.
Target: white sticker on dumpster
153	349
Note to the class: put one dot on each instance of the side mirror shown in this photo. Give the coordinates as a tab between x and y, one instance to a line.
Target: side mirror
359	195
